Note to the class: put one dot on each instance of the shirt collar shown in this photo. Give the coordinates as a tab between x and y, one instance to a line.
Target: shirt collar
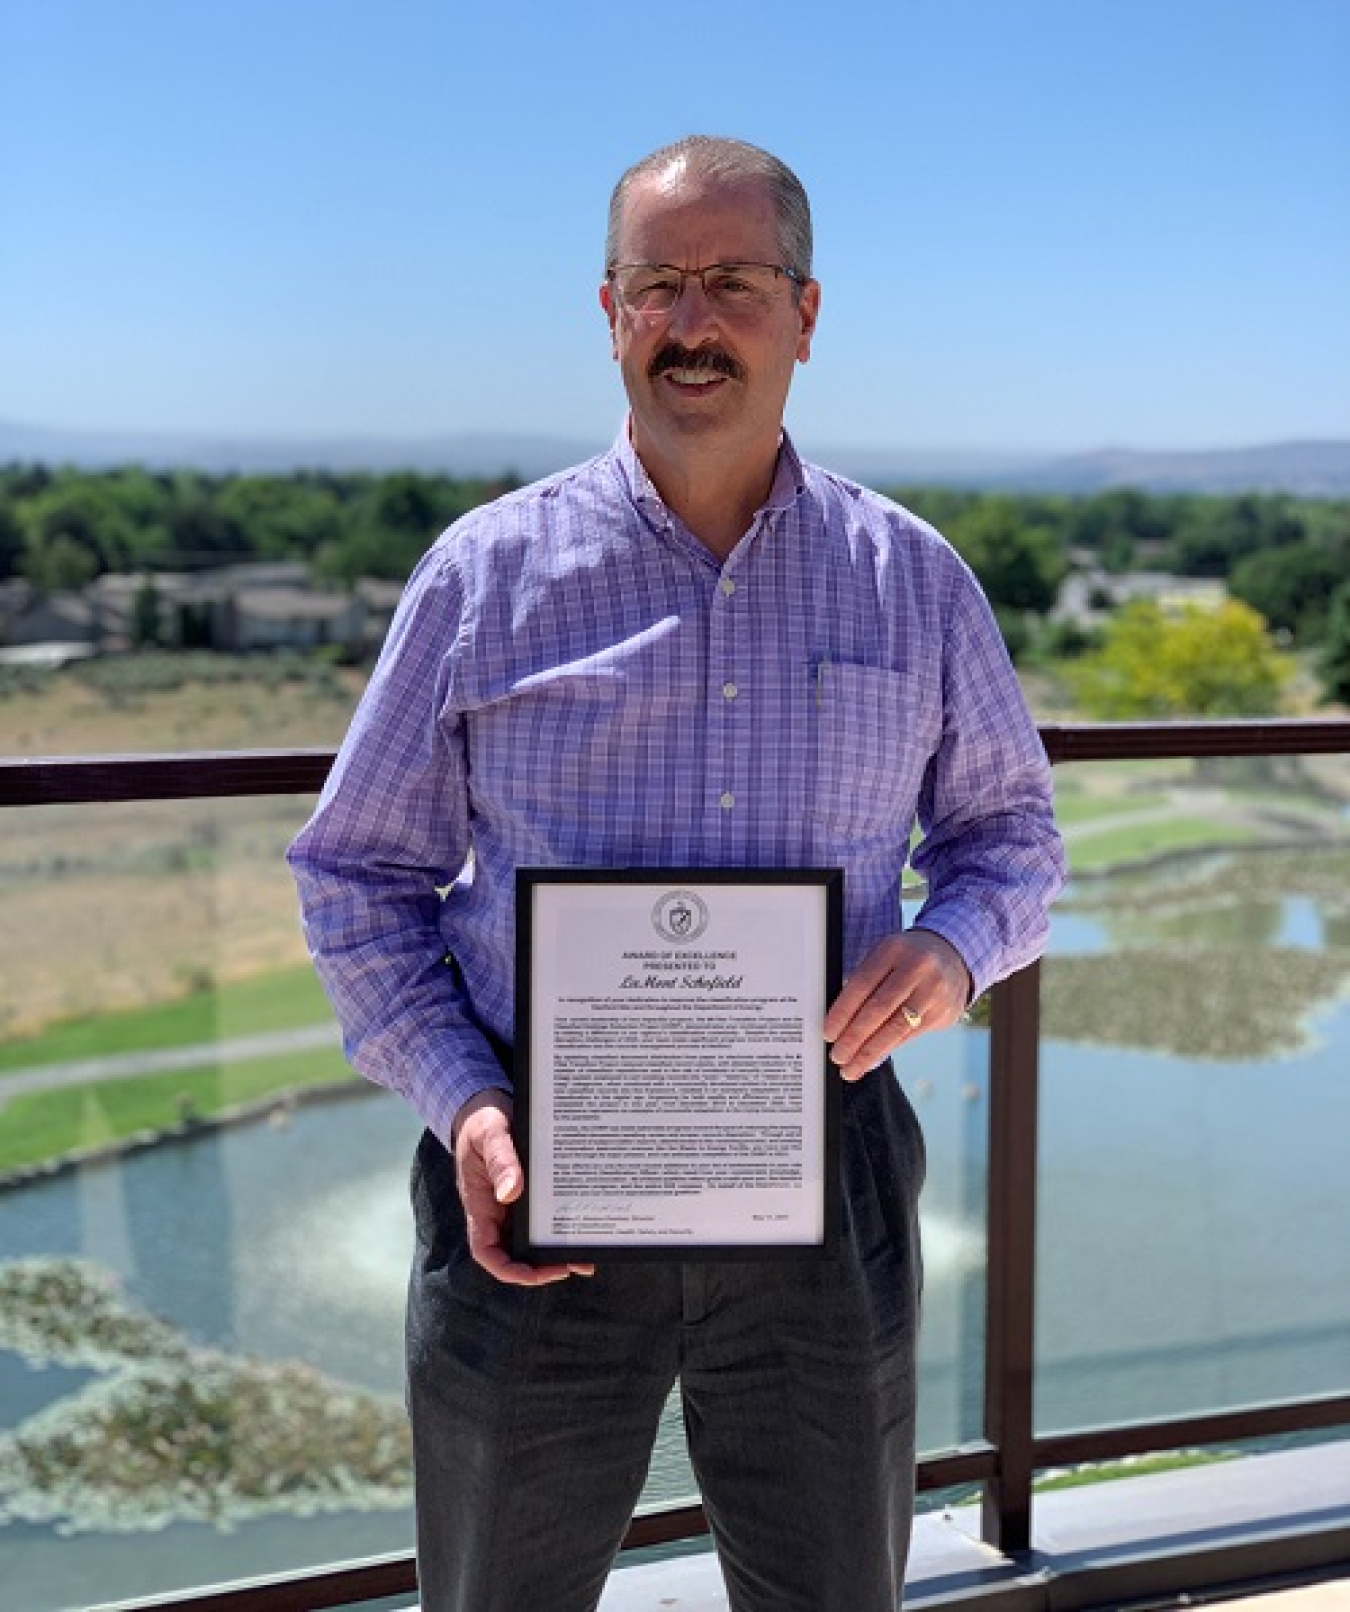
789	479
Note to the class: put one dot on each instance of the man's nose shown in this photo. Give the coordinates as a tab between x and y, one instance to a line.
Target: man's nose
693	311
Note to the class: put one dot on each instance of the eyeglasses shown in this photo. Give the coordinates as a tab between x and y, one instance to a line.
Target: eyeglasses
732	288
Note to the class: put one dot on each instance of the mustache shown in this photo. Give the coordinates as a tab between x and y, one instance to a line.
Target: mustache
673	356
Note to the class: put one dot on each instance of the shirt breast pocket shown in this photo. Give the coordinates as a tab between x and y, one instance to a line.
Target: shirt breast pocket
573	743
548	741
875	732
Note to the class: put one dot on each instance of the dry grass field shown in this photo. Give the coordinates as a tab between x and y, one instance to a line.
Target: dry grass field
125	905
71	716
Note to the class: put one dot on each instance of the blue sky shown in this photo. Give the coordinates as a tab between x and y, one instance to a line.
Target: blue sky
1041	224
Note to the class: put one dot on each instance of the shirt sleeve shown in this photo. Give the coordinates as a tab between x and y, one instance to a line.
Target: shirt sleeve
990	852
390	832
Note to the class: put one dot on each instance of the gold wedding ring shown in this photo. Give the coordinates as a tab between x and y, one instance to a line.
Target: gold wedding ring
912	1017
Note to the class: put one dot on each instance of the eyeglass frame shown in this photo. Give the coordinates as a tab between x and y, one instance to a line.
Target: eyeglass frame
793	276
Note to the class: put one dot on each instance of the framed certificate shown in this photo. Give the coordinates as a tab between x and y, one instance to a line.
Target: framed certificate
674	1097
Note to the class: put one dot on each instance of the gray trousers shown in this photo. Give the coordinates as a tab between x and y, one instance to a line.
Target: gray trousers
534	1409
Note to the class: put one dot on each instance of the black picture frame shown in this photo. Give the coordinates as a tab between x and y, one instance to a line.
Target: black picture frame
529	881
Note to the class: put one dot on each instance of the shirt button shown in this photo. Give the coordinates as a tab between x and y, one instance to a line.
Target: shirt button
727	801
729	691
728	586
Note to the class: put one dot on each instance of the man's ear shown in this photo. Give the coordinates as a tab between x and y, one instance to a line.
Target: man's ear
612	314
808	310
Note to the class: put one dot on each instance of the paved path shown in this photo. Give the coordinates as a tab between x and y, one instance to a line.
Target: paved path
1122	819
198	1055
1207	805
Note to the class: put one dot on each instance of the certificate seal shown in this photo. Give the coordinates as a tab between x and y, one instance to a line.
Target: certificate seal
680	916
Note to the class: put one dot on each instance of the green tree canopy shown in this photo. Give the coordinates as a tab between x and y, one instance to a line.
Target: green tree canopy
1335	663
72	533
1115	523
284	517
1019	563
11	540
1214	534
1291	586
393	520
1198	662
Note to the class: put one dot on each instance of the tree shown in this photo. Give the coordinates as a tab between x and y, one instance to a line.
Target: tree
391	524
199	533
1335	665
145	615
281	518
73	532
142	501
59	564
11	541
1020	565
1291	586
1198	662
1219	532
1114	523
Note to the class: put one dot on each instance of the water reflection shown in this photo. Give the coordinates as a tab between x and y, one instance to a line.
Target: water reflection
1192	1231
1222	957
1192	1198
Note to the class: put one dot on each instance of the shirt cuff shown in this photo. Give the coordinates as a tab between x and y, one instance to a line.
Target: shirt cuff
445	1077
966	934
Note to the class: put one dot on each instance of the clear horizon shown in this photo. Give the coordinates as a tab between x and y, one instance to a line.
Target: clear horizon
937	451
1048	228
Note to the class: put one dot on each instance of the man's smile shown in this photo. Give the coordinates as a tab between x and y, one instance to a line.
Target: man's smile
697	369
694	381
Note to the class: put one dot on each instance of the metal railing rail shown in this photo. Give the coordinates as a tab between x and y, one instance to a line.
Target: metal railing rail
1005	1461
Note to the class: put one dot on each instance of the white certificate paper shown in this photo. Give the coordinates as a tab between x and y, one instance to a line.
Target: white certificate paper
674	1096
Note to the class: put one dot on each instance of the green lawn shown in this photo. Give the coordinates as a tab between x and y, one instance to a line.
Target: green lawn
38	1126
284	1000
1096	852
1138	1467
1071	808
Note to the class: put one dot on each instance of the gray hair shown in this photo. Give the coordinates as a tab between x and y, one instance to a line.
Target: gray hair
711	157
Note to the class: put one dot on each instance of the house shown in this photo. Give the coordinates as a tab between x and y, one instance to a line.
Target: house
239	609
1088	596
381	599
232	608
289	617
45	628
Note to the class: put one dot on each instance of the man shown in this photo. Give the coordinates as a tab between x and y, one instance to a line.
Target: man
695	650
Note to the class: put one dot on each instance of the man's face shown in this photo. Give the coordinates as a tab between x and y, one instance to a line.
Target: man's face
699	369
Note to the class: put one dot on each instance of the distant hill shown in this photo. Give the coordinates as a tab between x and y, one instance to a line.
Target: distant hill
469	454
1307	469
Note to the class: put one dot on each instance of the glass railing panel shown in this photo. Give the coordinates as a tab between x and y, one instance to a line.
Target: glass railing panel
204	1231
946	1081
1194	1095
946	1078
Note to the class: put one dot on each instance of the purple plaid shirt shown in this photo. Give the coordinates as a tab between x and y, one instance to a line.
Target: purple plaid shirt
572	679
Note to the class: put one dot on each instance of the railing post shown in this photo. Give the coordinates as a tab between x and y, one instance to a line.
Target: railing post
1010	1315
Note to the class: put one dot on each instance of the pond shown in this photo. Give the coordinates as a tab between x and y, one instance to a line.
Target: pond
1192	1246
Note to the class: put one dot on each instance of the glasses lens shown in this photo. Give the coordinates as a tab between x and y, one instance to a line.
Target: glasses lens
741	285
732	288
648	288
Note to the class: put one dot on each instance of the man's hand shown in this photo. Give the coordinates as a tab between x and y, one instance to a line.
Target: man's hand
487	1169
907	984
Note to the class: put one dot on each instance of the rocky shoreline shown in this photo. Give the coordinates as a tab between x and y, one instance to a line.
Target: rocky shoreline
171	1432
